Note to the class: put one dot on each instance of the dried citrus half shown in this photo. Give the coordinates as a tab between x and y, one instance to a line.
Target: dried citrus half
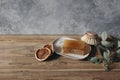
50	46
43	54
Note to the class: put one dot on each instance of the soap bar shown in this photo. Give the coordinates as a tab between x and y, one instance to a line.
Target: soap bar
73	51
73	46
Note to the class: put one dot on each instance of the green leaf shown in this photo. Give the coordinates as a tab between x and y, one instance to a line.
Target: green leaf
107	43
118	51
108	52
95	60
106	55
118	43
104	36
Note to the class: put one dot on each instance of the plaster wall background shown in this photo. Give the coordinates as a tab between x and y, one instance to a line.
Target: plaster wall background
59	16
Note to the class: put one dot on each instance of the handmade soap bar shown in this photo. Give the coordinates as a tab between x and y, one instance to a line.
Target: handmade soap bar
73	46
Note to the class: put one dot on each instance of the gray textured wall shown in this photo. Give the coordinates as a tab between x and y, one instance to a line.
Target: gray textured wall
59	16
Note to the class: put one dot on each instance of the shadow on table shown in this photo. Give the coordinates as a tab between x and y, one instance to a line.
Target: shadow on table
92	53
53	57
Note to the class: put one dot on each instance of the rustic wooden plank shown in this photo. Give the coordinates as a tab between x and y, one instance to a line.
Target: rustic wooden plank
17	61
57	75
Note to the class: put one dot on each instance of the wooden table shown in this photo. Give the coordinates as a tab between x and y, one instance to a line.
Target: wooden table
17	62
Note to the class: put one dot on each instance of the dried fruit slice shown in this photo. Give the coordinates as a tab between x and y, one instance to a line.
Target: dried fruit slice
50	46
43	54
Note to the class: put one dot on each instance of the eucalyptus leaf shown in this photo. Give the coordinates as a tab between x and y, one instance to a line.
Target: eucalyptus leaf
104	36
107	43
106	56
95	60
118	43
118	51
108	51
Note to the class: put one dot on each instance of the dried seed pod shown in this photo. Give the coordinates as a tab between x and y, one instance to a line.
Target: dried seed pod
90	38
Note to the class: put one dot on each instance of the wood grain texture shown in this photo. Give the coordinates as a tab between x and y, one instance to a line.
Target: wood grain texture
17	62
